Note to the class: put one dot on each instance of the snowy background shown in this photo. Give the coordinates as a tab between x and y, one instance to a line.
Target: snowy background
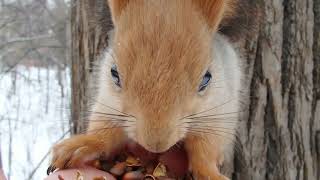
33	115
34	83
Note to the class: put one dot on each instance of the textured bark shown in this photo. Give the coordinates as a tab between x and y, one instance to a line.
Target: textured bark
279	134
87	42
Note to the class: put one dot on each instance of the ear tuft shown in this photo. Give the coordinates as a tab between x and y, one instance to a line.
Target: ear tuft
214	11
116	7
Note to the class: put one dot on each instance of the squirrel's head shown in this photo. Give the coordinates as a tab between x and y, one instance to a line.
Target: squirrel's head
161	64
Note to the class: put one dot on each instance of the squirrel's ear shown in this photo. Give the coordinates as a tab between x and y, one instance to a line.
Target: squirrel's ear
116	7
214	11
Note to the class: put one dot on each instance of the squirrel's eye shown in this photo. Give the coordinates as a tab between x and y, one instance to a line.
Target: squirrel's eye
205	81
115	75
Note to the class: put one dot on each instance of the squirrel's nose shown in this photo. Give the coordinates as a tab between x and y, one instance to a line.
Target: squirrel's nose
155	144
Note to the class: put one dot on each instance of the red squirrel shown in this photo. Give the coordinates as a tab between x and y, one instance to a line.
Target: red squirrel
167	76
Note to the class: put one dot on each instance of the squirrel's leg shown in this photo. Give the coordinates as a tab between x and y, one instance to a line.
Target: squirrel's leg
101	139
205	154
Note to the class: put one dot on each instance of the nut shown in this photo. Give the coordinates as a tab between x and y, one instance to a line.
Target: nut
131	161
134	175
79	176
160	171
118	169
100	178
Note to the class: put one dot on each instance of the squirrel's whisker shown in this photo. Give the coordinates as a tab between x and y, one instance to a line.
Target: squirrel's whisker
112	108
110	114
204	111
215	115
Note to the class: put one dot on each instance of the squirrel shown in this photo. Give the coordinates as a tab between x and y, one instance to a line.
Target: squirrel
168	75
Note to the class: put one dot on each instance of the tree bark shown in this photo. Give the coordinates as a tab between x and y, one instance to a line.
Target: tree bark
89	19
279	134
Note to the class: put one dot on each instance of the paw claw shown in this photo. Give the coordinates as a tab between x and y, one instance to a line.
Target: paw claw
51	169
71	154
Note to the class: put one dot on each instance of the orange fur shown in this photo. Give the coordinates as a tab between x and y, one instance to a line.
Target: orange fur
76	151
162	49
215	10
116	7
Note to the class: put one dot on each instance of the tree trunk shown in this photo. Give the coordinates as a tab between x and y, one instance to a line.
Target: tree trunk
280	133
88	20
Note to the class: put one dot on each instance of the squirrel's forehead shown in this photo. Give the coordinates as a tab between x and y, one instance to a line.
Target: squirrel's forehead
162	50
163	66
170	55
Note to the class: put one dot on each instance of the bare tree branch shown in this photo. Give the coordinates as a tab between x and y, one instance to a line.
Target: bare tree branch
25	39
45	156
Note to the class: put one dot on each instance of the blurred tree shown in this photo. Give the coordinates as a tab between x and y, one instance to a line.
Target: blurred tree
34	32
280	133
90	21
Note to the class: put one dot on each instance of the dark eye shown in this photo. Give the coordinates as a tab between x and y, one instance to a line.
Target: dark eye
115	75
205	81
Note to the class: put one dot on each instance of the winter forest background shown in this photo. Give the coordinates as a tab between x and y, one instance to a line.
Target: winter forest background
34	83
43	43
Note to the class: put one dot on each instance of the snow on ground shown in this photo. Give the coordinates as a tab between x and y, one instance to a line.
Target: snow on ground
34	113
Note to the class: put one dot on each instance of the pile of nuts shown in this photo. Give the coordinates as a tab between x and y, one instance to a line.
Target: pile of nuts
132	169
138	164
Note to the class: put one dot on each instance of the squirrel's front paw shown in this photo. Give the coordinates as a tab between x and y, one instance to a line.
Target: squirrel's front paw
74	152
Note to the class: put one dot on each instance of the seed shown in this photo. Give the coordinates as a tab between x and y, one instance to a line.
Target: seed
118	169
131	161
100	178
134	175
160	170
79	176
